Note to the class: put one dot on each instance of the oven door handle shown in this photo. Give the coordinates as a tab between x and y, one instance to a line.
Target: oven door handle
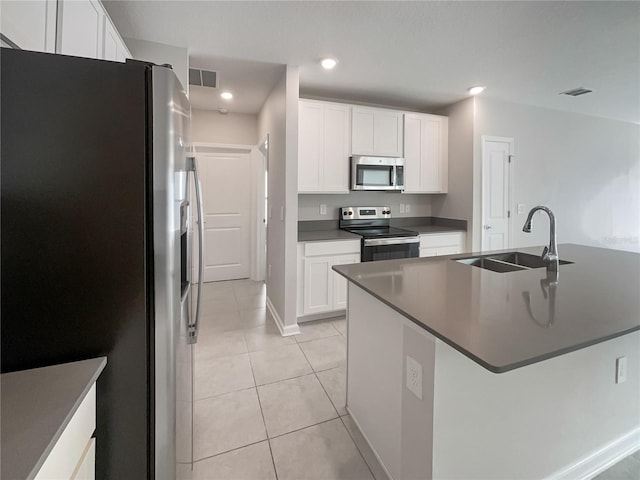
374	242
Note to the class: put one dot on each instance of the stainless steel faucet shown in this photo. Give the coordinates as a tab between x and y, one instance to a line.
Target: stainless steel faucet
550	253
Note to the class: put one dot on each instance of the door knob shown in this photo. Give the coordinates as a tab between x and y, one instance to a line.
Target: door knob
487	227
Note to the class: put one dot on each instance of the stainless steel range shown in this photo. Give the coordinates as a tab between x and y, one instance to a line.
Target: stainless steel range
379	240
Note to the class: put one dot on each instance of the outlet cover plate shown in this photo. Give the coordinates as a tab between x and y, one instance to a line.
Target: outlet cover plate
414	377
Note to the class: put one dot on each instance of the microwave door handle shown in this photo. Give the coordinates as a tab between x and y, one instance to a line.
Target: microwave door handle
192	166
392	178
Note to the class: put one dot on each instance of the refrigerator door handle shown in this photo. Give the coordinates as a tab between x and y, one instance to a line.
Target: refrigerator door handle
192	166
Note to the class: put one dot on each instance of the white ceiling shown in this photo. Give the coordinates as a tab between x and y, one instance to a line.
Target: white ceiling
418	55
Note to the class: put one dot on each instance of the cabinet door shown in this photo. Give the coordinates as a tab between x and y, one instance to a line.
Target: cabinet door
80	25
111	42
336	147
362	136
387	131
433	156
318	285
30	25
310	146
412	154
340	283
425	153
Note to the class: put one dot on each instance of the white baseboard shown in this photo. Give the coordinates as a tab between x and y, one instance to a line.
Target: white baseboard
600	460
322	316
375	454
285	330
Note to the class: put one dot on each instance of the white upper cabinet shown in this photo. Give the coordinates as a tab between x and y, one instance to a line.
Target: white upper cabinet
376	131
113	46
31	25
425	153
80	28
323	147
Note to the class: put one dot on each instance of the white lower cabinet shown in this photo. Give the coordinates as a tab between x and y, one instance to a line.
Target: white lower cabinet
73	455
433	244
320	289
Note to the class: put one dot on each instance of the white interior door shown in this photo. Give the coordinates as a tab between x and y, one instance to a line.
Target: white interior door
496	192
226	192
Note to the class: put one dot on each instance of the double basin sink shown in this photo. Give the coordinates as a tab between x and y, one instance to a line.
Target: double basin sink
507	262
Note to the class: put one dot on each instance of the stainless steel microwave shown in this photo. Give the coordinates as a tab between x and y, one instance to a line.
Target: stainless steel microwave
377	173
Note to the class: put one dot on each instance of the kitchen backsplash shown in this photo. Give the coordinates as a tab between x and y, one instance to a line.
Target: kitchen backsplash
309	205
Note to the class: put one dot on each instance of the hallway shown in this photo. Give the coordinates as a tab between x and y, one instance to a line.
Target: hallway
268	406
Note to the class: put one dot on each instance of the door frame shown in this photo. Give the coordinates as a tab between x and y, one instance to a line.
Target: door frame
259	168
480	228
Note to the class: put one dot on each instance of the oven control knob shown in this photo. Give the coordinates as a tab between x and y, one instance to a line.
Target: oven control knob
386	212
350	213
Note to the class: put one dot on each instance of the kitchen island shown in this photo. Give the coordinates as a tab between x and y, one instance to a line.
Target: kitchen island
517	371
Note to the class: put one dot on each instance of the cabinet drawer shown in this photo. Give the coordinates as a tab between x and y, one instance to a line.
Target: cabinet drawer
441	240
331	248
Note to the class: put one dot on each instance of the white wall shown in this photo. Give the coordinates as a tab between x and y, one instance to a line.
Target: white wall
458	203
309	205
233	128
279	119
536	421
160	54
586	169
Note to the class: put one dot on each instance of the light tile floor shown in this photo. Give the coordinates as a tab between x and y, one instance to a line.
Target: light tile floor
273	407
267	406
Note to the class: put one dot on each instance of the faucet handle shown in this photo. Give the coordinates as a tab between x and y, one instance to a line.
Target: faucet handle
545	251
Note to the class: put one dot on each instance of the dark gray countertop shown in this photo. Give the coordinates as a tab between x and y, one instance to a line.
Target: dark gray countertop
36	407
335	234
324	235
426	229
483	314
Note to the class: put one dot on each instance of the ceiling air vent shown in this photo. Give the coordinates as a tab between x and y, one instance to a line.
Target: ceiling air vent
203	78
576	92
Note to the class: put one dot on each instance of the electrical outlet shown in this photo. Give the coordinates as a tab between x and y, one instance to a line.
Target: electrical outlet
402	208
414	377
407	208
621	369
521	208
323	209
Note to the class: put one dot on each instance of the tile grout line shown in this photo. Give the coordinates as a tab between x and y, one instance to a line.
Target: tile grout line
340	417
304	428
266	431
357	447
229	451
321	385
312	372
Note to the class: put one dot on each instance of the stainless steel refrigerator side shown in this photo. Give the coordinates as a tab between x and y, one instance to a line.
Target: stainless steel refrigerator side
170	119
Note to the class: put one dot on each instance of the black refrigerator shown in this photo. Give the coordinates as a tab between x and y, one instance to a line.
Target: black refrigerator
95	245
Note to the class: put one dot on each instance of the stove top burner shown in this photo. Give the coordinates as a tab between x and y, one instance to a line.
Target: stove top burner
381	232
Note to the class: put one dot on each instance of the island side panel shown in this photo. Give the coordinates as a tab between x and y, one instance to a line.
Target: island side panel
537	421
374	375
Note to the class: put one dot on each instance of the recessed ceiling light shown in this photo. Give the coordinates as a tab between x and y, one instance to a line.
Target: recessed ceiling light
328	63
475	90
226	95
